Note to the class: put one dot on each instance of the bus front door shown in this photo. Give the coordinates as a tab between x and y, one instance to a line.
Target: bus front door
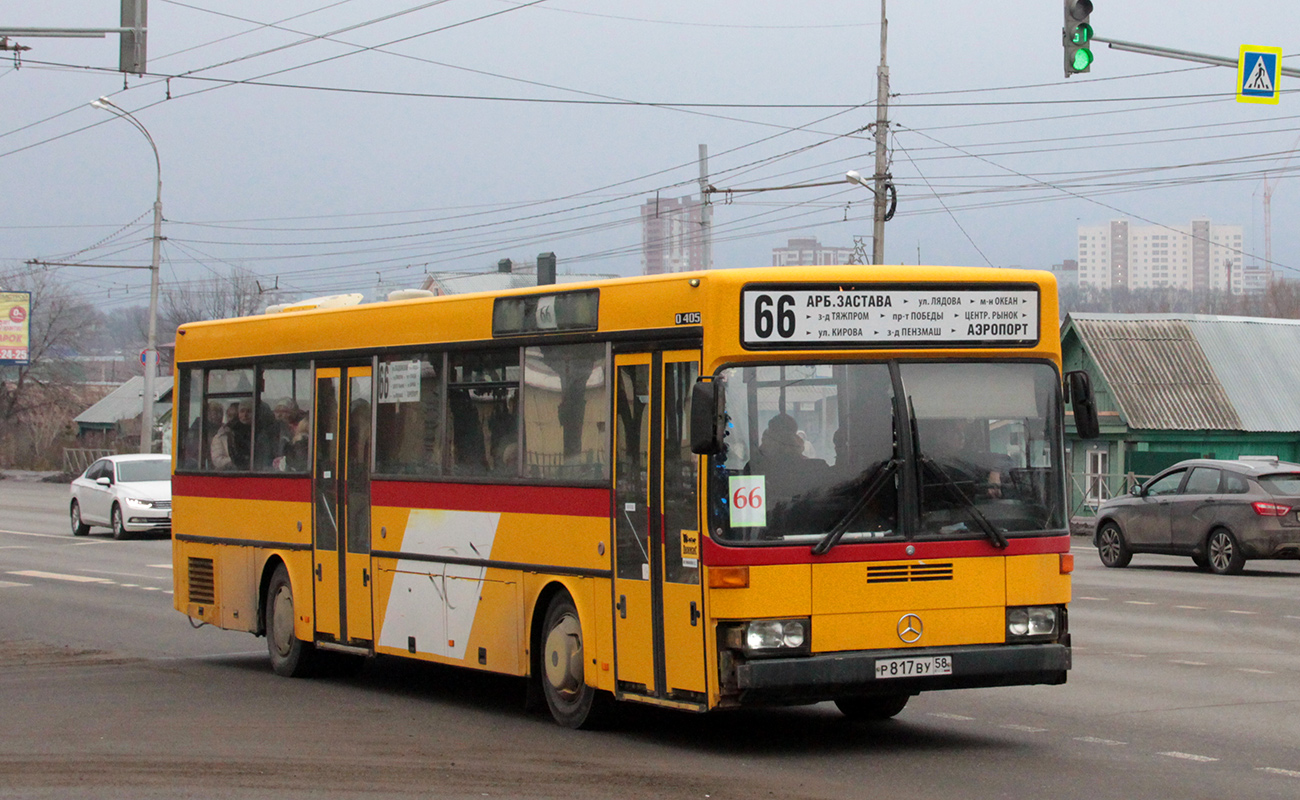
658	601
341	506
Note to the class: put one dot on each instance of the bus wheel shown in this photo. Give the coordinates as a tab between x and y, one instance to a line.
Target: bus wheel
872	708
572	702
290	656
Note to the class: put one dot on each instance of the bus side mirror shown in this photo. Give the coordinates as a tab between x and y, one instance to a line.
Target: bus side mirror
706	419
1078	389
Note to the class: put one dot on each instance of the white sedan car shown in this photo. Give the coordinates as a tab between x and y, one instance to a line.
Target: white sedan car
128	493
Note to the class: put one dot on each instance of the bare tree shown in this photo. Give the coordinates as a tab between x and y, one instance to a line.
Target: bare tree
38	399
238	294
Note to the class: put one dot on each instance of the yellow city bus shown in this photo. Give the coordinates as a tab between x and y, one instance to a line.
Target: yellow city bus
696	490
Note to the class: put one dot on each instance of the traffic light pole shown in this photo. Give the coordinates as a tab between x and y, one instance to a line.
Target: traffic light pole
882	131
1182	55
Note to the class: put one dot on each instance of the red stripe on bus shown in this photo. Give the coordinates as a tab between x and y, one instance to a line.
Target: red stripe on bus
717	555
556	500
294	490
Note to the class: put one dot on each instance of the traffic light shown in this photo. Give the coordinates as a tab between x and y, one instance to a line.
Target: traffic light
1077	37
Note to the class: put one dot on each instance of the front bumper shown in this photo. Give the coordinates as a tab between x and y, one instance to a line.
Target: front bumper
146	521
830	675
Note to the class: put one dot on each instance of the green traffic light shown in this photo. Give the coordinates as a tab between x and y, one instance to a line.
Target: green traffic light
1082	34
1082	59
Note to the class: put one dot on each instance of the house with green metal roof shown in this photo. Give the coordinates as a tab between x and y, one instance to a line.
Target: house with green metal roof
1177	386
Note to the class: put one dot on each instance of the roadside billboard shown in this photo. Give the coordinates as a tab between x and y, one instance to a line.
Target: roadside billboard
15	313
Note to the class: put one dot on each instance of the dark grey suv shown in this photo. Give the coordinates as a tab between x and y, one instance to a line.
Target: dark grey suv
1218	512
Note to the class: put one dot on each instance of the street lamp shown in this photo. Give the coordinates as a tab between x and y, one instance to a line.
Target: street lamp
151	353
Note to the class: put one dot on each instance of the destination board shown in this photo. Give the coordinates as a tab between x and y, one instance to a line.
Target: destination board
871	317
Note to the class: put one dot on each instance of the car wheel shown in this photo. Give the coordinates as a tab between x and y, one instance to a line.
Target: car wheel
1201	560
872	708
1111	547
1224	554
573	703
79	528
291	657
119	527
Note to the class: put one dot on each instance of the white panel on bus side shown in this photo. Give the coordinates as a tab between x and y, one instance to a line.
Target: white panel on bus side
436	602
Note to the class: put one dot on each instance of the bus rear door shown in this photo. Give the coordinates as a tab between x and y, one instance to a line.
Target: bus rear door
341	505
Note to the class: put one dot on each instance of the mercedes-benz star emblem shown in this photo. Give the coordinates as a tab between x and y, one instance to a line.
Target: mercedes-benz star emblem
910	628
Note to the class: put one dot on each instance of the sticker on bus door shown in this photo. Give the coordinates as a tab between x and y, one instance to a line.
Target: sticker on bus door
747	498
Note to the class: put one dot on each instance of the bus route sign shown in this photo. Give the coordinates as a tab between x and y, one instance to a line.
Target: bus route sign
837	316
1258	69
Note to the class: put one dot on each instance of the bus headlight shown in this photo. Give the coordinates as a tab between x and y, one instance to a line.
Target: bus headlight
1031	622
770	636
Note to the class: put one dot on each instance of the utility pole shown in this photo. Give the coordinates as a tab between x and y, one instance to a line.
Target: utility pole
882	131
706	209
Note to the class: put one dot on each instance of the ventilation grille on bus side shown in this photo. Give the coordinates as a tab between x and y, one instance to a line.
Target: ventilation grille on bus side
909	573
202	586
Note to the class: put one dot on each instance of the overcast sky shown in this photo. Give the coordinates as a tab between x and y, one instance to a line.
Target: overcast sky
336	146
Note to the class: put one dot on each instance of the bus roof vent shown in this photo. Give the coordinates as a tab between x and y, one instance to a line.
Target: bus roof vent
329	301
409	294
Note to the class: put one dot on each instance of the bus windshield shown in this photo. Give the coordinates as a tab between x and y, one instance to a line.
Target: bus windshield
818	450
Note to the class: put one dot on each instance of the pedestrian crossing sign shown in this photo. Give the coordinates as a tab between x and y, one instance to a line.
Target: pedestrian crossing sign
1258	69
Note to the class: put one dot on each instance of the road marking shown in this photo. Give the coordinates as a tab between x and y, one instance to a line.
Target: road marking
951	716
55	576
1243	612
1131	655
11	584
1191	608
1188	756
159	566
1091	598
1290	773
1289	616
1189	663
40	535
1138	603
151	588
1095	740
1256	671
1025	728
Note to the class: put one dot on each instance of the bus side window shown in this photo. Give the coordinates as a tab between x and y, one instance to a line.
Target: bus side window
483	406
408	435
566	402
191	444
282	428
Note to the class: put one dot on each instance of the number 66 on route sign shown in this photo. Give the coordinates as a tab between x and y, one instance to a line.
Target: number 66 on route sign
747	496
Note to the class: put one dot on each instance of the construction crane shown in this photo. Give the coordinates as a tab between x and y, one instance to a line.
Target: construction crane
1268	188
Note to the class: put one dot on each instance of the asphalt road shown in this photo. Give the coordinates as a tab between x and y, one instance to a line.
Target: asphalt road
1185	685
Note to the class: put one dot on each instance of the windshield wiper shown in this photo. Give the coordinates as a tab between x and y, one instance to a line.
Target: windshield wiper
990	532
881	474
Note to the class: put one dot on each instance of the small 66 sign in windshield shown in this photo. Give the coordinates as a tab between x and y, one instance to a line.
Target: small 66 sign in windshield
884	317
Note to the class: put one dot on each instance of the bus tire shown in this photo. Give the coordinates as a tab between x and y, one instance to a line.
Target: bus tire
291	657
572	701
866	709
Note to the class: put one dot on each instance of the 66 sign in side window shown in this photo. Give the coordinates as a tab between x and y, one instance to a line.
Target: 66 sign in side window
866	316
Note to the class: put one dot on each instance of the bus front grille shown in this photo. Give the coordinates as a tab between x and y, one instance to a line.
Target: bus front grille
908	573
202	586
